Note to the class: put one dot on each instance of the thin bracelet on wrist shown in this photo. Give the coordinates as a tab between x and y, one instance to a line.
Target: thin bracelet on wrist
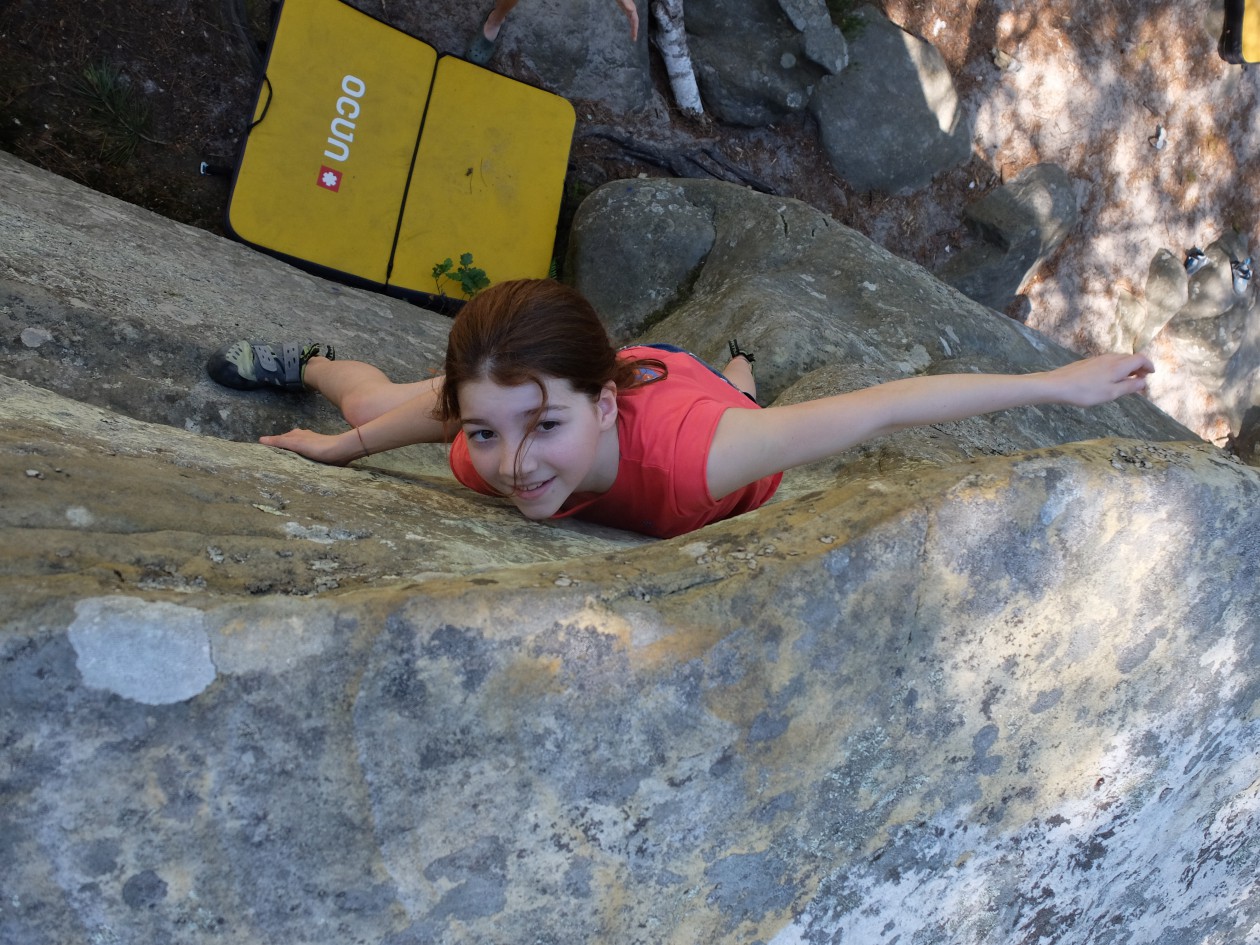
363	446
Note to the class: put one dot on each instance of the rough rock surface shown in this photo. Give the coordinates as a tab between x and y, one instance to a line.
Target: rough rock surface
1208	330
934	694
892	120
759	60
1019	226
580	49
118	308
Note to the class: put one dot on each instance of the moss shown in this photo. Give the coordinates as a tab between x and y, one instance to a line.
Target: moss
844	14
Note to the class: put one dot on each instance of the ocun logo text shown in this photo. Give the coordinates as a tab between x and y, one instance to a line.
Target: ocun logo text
342	127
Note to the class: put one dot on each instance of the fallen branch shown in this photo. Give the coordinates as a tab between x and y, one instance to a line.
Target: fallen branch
698	163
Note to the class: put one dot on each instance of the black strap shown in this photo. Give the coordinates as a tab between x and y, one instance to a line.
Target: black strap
1230	46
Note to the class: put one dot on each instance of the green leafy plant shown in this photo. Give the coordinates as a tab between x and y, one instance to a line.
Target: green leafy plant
123	118
468	277
844	14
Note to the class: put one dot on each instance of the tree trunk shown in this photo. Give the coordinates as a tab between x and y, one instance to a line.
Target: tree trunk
671	40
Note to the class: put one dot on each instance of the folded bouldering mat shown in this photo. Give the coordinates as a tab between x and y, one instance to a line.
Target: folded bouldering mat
372	159
1240	34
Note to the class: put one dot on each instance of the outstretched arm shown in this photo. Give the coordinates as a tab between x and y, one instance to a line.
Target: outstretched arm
409	420
750	444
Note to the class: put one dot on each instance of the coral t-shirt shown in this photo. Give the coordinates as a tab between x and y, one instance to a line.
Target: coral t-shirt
664	430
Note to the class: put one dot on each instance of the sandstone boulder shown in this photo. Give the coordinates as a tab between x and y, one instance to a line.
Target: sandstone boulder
759	60
1018	227
975	686
892	120
1208	327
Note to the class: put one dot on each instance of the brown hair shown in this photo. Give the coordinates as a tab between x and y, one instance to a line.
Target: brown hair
527	331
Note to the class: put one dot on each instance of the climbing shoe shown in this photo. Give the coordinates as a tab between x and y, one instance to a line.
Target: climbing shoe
245	365
1196	259
1242	274
738	352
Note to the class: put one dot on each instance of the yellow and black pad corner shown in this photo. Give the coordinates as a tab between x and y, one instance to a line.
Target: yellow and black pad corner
488	178
324	170
1240	32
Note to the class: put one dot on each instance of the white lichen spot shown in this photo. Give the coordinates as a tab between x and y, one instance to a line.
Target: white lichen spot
34	337
151	652
316	533
80	517
321	534
1221	657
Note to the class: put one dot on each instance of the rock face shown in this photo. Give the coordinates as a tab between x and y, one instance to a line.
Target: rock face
580	49
1018	225
892	120
967	685
1209	325
759	60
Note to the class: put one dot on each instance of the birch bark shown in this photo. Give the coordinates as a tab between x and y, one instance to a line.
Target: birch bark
671	40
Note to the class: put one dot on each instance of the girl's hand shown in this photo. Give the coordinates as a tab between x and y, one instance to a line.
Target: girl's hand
332	450
1100	380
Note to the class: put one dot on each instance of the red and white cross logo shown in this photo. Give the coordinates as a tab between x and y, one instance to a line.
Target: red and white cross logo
329	179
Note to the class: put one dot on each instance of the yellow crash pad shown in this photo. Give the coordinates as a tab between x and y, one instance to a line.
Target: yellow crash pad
372	159
488	177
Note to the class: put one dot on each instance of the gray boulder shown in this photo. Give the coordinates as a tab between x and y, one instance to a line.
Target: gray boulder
670	238
759	60
580	49
1215	337
893	120
1016	690
824	43
1019	226
1167	291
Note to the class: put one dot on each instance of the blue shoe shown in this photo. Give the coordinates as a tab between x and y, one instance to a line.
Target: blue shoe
244	365
738	352
481	50
1242	275
1196	259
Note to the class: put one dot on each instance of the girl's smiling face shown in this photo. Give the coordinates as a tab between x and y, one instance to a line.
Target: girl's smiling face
540	451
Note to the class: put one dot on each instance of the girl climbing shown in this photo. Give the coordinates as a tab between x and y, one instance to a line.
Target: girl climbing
648	439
